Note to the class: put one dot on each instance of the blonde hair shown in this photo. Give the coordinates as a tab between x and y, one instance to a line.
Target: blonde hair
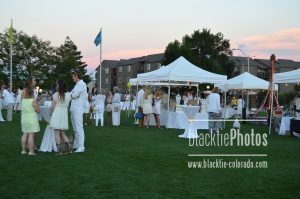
147	92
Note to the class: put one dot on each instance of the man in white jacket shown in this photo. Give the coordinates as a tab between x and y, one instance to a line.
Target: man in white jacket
79	96
8	102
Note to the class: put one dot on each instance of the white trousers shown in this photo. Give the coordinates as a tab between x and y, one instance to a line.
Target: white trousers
116	118
77	123
99	116
9	112
1	118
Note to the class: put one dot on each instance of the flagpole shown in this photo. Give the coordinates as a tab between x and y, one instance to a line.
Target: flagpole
10	75
100	66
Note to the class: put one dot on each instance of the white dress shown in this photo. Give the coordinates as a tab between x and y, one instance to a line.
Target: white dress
147	105
157	107
116	106
127	102
59	119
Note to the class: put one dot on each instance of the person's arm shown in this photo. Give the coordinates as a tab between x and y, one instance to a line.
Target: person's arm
35	105
219	103
78	90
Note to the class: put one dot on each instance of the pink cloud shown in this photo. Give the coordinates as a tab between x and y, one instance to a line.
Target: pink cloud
284	44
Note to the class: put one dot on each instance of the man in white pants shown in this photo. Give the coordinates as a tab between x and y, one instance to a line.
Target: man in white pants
79	96
8	102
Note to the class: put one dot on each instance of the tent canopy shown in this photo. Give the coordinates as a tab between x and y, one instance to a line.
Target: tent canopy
134	82
287	77
182	70
245	81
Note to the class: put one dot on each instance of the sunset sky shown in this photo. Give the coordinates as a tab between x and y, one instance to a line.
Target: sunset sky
134	28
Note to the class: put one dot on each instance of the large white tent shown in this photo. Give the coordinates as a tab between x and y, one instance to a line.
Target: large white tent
135	82
245	81
287	77
182	70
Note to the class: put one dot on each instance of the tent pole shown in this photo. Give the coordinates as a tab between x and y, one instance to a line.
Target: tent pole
225	108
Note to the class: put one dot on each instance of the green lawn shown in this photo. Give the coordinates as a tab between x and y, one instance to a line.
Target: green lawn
130	162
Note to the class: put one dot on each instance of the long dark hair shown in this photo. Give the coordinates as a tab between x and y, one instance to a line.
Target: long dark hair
29	90
61	89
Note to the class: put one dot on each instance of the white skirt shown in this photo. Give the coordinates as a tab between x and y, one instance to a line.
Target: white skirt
59	119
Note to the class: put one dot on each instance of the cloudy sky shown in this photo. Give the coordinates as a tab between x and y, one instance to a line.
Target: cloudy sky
134	28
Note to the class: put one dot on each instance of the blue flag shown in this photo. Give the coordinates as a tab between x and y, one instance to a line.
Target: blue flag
98	39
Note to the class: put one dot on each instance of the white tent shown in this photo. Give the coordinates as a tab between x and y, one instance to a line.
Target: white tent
134	82
182	70
287	77
245	81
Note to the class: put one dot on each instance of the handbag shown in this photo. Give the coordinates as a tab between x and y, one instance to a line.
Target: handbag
138	115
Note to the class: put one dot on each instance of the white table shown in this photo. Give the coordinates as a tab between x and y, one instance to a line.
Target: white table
228	112
48	143
190	130
285	125
178	120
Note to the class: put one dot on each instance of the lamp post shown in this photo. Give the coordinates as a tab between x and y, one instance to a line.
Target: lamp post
248	63
247	57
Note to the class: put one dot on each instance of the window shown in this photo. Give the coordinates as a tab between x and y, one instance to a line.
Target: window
106	81
120	69
148	67
120	80
158	65
129	68
106	70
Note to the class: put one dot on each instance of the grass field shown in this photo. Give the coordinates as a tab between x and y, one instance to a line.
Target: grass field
130	162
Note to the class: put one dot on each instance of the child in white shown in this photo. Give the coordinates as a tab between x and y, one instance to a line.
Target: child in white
99	108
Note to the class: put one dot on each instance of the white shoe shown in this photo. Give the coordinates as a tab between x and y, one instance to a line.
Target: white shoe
2	120
79	151
24	152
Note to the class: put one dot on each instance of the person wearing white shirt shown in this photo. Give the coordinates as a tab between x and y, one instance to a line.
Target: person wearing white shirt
116	107
79	96
99	104
240	105
8	102
214	110
139	103
178	98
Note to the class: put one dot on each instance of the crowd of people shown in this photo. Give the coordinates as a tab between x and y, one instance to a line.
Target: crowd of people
85	106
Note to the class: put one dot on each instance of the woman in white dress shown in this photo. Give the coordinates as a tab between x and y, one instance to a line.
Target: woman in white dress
116	111
109	100
147	106
99	108
92	104
157	108
59	119
127	101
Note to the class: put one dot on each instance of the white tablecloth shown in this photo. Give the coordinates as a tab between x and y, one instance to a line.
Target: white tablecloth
178	120
228	112
285	125
48	143
190	112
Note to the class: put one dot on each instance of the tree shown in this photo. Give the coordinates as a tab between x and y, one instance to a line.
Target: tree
31	57
204	49
68	58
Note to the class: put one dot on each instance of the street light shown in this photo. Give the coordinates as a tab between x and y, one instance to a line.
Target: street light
247	56
244	109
